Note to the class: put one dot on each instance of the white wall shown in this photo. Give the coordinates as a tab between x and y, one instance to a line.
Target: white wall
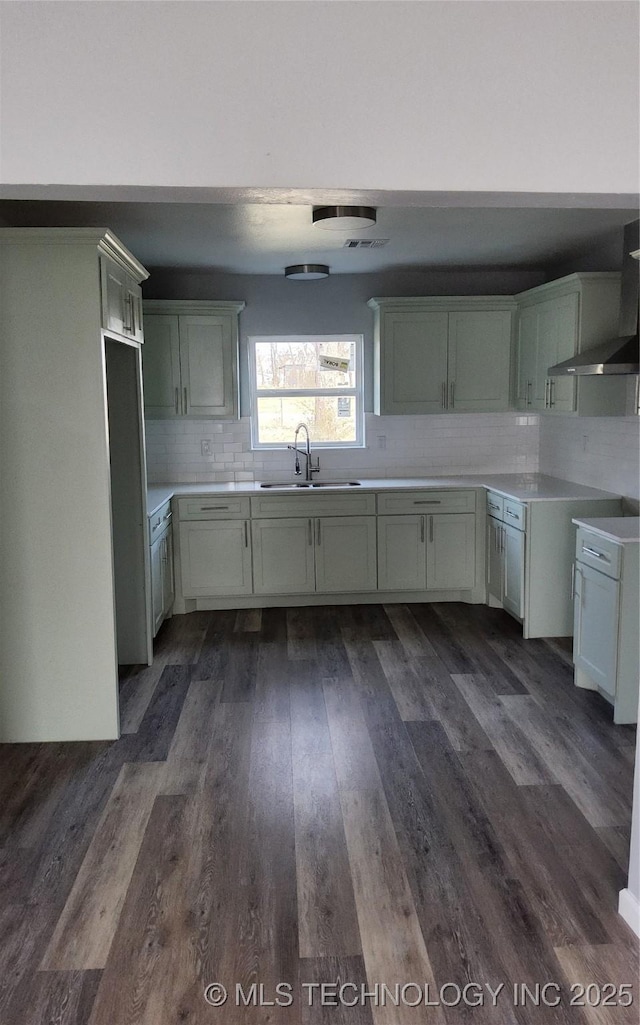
445	96
601	452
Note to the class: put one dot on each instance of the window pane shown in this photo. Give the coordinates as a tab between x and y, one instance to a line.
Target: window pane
329	418
297	365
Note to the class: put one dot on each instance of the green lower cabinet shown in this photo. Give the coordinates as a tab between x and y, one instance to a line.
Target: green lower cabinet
327	554
451	551
596	626
346	554
283	556
215	558
427	552
402	562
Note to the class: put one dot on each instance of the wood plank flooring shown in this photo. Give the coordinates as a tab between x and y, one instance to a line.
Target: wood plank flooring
359	796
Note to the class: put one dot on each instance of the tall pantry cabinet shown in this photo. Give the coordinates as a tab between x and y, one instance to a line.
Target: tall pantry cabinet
73	473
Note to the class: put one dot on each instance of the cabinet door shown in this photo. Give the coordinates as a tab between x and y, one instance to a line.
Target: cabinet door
168	588
113	283
595	643
161	367
513	555
283	559
157	609
495	562
215	558
413	362
402	563
557	341
479	360
208	366
133	310
346	553
526	354
451	551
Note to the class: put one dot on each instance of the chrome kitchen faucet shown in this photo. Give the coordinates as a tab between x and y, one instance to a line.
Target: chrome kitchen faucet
310	468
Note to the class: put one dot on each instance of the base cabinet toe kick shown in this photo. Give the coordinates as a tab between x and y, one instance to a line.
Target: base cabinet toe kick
449	544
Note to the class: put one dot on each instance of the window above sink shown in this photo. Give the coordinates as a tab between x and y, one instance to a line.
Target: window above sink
317	379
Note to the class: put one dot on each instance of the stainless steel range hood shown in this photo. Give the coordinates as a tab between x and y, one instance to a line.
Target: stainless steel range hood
619	355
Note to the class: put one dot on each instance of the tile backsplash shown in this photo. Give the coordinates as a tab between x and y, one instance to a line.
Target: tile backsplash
602	452
397	446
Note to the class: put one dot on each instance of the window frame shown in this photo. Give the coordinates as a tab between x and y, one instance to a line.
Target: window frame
358	392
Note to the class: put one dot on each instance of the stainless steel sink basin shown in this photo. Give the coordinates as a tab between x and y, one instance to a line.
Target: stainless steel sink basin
336	484
289	485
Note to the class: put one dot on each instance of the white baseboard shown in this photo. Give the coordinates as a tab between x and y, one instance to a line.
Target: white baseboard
629	908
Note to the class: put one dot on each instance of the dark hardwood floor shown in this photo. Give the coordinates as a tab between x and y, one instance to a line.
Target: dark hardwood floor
363	795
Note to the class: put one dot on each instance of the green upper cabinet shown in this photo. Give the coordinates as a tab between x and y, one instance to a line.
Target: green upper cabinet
190	359
439	355
413	362
556	321
478	363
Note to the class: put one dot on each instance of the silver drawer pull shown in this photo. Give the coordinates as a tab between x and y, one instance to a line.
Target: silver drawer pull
596	555
514	516
167	517
433	501
210	508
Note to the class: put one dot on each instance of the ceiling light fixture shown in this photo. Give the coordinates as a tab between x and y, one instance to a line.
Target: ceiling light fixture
307	271
344	218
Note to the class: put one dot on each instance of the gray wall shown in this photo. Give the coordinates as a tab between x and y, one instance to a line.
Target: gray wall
329	306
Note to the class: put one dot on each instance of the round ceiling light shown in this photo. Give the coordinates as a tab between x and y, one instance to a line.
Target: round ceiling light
344	218
307	271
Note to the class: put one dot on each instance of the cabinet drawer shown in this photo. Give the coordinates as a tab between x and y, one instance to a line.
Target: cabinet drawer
312	504
599	552
398	502
215	507
515	514
495	505
159	522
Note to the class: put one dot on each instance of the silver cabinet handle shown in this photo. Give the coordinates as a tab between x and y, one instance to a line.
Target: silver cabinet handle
573	580
528	393
167	517
452	390
444	394
547	393
432	501
431	529
246	533
184	391
596	555
514	516
552	393
579	593
318	534
177	399
422	530
503	534
310	533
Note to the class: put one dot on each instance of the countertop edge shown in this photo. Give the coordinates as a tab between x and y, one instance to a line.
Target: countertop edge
164	492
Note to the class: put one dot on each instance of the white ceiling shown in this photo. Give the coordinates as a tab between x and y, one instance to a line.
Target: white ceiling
263	238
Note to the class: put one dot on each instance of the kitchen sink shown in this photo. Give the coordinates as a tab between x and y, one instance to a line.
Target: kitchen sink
289	485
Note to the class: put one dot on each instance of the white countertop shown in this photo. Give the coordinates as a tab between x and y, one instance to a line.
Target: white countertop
532	487
624	529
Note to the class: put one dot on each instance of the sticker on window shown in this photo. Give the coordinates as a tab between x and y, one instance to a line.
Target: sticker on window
334	363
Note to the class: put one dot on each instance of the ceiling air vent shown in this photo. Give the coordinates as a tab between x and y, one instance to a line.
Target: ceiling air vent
365	243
